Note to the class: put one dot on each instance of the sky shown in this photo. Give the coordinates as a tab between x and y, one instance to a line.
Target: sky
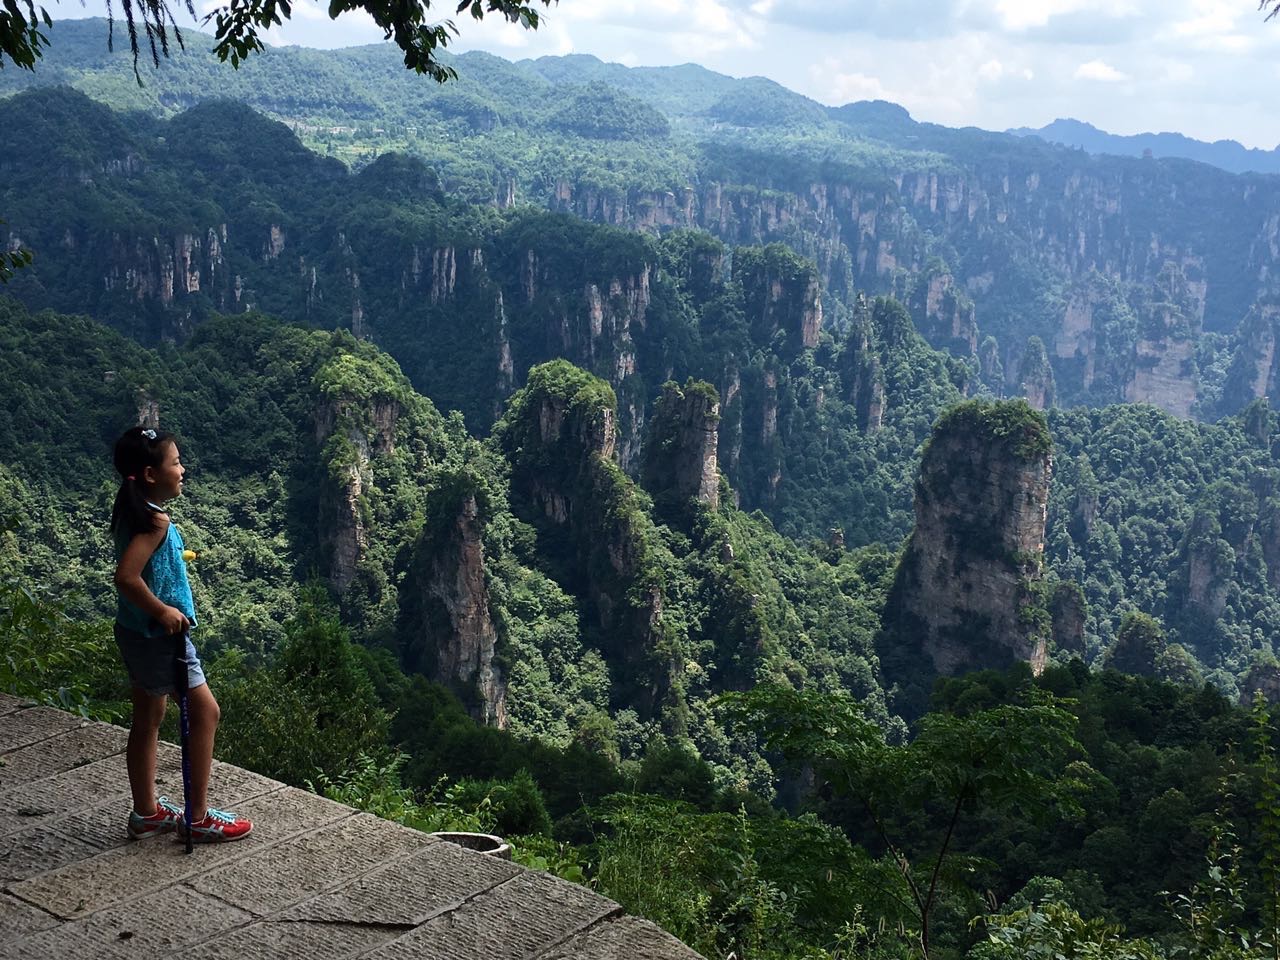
1205	68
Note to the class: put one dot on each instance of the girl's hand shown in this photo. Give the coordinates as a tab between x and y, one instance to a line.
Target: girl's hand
173	621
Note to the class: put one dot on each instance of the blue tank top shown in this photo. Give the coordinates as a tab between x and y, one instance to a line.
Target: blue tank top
165	575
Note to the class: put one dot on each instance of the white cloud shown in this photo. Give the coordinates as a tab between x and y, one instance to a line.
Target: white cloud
1208	17
1177	72
1019	15
310	10
1098	70
991	70
848	87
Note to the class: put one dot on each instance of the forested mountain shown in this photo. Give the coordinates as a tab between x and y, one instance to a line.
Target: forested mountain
1134	275
155	226
593	621
648	452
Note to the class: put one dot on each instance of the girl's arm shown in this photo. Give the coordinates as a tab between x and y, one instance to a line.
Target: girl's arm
133	588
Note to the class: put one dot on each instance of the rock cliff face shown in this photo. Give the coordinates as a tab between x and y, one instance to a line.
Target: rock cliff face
680	449
1164	368
1255	368
1035	376
943	313
1262	678
447	627
560	432
1068	613
988	244
352	434
961	598
1122	221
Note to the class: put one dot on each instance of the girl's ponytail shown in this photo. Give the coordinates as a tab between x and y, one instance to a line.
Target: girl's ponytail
137	449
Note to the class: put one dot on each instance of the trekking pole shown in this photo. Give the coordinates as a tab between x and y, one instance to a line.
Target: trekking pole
184	727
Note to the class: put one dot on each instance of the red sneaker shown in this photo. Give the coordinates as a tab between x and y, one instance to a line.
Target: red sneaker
167	817
217	826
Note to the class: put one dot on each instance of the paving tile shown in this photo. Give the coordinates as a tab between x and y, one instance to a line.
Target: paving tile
274	878
139	868
230	785
622	938
10	703
407	892
530	913
80	832
149	927
19	919
30	852
74	748
18	728
316	880
293	941
102	825
28	804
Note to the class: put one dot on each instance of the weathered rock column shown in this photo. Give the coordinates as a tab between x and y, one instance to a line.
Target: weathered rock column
962	597
680	451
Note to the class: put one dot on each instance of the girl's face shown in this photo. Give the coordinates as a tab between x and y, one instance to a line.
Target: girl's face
165	481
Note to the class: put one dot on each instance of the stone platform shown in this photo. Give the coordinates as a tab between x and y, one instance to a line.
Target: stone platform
315	879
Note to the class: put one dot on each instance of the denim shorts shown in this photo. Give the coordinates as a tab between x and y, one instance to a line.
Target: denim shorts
152	661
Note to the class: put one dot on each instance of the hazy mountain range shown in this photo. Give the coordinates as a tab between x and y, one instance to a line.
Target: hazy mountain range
1225	154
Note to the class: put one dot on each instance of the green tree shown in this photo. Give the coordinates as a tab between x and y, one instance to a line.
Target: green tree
1267	790
237	25
315	697
1139	646
1005	758
11	260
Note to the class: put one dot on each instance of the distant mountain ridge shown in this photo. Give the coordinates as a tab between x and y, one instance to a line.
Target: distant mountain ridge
1225	154
1054	274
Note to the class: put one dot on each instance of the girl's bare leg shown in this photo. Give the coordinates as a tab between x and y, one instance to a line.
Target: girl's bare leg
204	714
140	755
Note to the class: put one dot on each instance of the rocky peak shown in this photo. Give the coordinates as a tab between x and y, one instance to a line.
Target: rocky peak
446	627
964	584
782	293
351	432
1068	612
990	366
680	450
1255	368
1139	646
1269	534
943	313
1264	678
564	421
1035	376
148	409
559	434
1210	564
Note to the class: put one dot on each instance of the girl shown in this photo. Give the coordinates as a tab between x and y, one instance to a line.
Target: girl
154	606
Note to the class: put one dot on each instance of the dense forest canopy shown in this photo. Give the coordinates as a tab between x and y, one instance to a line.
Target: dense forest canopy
1143	280
617	457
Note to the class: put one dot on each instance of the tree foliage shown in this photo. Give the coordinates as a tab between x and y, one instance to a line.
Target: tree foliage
238	25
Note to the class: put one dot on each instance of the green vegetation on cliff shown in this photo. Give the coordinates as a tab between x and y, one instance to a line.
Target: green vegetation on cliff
502	561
